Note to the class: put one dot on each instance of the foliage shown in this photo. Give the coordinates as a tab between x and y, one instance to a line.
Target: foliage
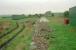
17	17
66	13
48	14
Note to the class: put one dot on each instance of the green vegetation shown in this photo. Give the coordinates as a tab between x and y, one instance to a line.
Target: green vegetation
22	41
18	17
61	37
66	14
48	14
12	26
24	38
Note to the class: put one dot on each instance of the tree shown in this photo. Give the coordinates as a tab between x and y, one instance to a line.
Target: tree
66	13
52	14
48	14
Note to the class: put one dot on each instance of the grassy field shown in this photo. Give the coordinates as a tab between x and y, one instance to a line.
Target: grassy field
5	38
62	36
23	40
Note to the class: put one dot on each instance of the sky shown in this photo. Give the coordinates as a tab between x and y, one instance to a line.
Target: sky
34	6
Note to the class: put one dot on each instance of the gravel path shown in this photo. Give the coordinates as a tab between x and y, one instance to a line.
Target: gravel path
40	32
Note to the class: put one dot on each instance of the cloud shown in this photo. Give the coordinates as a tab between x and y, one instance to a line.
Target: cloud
34	6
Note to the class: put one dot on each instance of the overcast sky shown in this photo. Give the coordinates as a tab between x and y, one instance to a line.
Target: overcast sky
34	6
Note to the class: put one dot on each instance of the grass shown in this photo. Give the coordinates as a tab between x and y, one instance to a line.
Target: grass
12	26
61	38
22	41
64	38
5	38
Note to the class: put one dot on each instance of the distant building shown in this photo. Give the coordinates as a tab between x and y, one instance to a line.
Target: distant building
72	16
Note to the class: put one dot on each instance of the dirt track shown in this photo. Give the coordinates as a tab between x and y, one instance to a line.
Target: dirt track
41	30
